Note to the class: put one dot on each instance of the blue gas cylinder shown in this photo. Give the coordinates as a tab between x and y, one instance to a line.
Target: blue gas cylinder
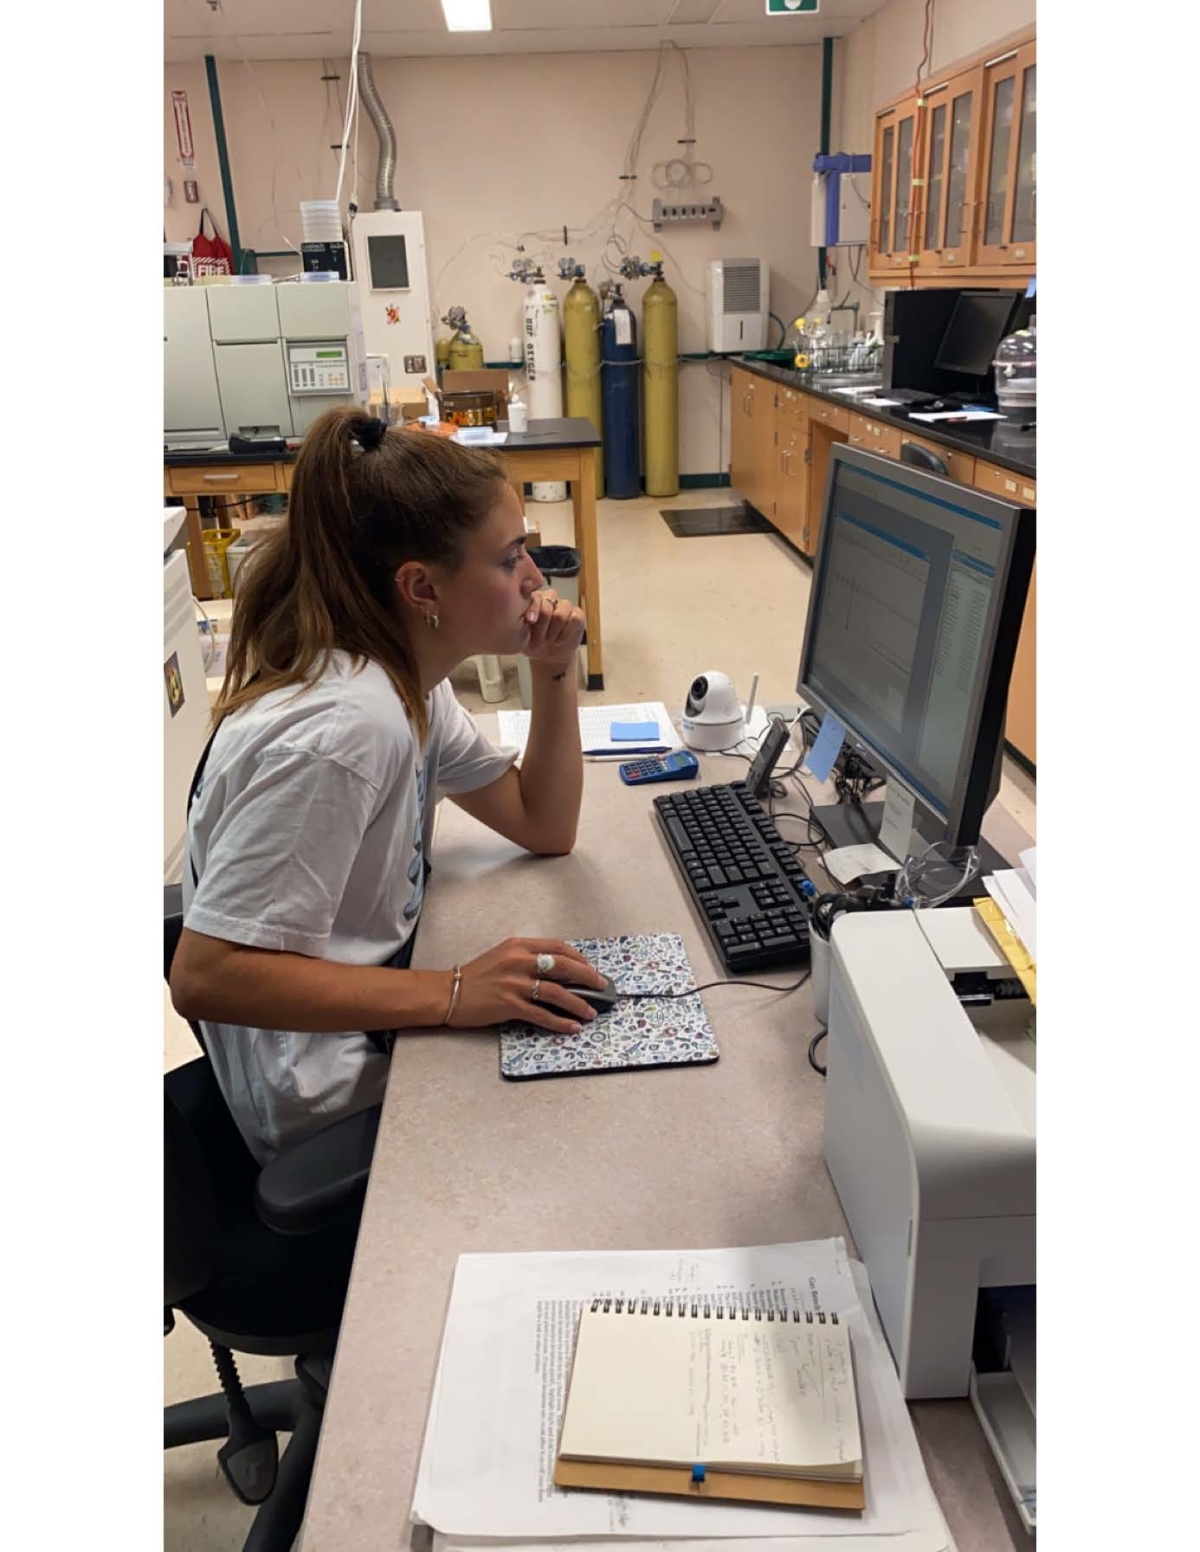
619	386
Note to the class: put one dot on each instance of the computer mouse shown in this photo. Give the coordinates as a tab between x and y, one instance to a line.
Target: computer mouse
603	999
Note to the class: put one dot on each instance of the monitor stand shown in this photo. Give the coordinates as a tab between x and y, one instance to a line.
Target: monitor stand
855	824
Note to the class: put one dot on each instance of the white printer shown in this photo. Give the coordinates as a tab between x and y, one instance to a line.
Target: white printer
931	1141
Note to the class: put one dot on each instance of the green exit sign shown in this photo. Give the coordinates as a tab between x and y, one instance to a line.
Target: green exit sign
792	7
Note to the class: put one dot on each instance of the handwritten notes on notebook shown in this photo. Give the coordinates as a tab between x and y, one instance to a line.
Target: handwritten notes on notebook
766	1397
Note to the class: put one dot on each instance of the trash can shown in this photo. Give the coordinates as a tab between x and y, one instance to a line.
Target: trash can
560	564
216	542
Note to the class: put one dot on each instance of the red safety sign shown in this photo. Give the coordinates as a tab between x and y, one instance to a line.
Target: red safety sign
183	129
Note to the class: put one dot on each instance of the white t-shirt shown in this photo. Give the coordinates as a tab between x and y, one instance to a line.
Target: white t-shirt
309	835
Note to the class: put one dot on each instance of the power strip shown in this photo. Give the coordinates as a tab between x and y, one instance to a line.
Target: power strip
669	214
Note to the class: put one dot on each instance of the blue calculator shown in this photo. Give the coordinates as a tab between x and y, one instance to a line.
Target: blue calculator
679	766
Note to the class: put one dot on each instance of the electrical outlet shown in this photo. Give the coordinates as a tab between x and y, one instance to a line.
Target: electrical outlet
414	364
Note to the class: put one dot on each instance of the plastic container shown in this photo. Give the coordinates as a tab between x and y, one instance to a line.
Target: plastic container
216	546
560	565
236	553
321	220
1015	366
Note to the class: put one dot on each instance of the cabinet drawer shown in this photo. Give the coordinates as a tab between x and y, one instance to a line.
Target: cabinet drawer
828	414
220	479
959	466
1004	483
792	405
873	434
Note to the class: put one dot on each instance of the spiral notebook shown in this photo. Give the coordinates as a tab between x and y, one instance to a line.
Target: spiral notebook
651	1031
708	1400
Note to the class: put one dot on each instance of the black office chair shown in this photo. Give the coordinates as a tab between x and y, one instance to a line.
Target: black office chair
258	1259
921	458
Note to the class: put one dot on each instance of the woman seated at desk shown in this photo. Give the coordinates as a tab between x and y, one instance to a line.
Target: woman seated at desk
335	731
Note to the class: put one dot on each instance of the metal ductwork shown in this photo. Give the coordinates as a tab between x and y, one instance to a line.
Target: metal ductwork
385	173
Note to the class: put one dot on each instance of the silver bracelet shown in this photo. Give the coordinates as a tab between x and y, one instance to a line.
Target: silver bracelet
454	991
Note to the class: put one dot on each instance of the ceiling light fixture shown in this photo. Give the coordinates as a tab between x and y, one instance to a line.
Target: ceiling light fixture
468	15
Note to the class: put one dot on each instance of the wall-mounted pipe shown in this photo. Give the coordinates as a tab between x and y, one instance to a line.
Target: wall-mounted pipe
385	172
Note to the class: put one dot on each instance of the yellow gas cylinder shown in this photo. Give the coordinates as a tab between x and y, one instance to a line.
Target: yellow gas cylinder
581	343
660	346
441	352
465	353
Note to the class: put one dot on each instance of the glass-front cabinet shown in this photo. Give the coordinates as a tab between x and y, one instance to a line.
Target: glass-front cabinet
893	213
954	174
1007	216
947	163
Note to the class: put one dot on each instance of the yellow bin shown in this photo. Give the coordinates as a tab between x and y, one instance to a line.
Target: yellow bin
216	542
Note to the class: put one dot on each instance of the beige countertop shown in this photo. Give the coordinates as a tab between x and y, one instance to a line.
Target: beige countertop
723	1155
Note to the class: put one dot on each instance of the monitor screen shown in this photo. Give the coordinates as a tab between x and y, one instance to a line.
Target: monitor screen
906	608
388	258
977	325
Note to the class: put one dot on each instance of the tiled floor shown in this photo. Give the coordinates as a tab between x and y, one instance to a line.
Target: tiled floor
672	607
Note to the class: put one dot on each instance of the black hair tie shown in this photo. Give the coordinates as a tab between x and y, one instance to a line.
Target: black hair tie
370	434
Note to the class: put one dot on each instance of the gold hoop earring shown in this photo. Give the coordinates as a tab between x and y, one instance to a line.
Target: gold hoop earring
432	621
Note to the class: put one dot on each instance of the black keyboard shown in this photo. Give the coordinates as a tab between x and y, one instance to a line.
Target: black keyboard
747	881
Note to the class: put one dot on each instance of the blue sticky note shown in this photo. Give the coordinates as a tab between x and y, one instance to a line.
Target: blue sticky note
1031	288
827	747
633	732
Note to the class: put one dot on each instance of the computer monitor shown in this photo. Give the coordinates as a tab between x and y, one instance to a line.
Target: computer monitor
918	593
977	325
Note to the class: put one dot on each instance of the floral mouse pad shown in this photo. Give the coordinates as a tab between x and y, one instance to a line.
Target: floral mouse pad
651	1032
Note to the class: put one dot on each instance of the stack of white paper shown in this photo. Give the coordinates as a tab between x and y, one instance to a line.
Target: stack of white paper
1015	891
595	723
595	726
486	1472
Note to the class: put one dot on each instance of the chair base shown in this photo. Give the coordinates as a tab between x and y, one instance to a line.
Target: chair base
287	1406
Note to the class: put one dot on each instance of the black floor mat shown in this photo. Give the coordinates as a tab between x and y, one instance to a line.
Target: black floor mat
698	522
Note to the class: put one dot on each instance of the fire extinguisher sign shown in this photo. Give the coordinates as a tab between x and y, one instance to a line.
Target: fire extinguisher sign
183	129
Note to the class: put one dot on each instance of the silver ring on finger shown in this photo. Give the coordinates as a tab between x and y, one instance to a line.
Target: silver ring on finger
537	986
545	963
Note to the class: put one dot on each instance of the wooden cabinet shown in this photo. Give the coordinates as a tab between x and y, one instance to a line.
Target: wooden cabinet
221	479
1005	221
821	445
792	496
744	470
874	436
1005	484
753	439
959	466
954	175
949	155
892	206
1020	725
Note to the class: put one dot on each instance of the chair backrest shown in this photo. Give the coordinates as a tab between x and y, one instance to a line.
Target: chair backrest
189	1211
921	458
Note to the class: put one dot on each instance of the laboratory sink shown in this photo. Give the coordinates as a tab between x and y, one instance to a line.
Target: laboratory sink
827	380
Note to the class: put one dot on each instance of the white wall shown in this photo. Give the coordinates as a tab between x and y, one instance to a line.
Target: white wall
181	220
493	145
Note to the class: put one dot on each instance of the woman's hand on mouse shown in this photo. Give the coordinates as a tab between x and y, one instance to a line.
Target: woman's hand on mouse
555	630
499	986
